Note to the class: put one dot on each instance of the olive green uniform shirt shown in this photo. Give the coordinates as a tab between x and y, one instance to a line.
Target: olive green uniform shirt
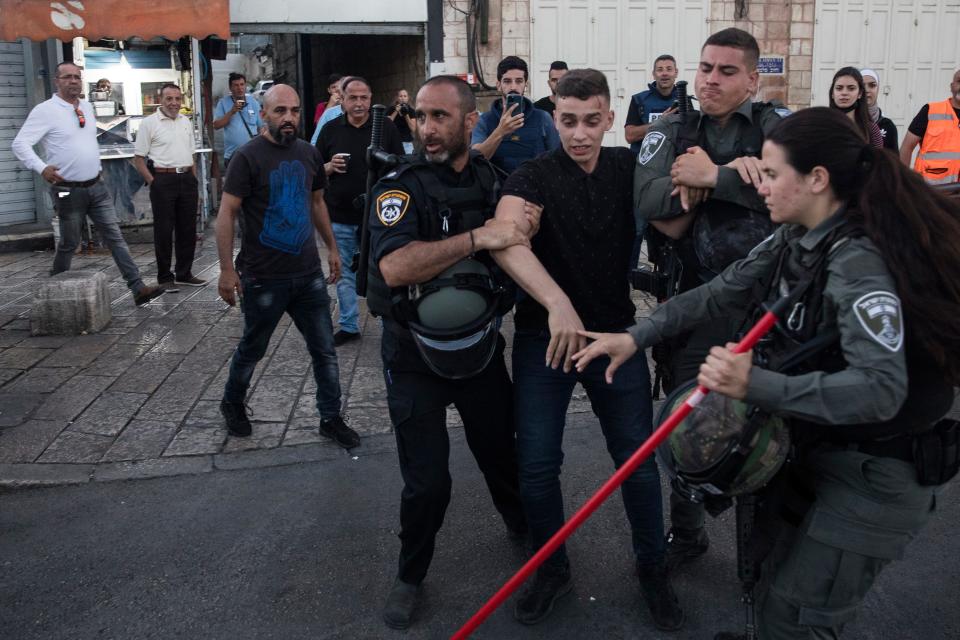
859	301
652	183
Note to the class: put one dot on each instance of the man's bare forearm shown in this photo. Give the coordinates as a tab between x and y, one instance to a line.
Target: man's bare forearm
528	272
420	261
321	220
224	232
489	147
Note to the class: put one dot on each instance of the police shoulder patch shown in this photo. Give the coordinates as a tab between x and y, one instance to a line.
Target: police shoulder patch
651	145
391	205
879	315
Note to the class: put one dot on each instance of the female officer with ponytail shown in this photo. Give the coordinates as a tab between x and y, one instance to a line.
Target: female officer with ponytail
862	364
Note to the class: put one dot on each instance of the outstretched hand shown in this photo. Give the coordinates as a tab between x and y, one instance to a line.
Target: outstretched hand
620	347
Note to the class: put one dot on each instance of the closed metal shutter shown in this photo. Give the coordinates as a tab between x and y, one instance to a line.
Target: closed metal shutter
17	201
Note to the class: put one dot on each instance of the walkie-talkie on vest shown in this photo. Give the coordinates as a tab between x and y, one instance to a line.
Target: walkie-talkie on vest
377	159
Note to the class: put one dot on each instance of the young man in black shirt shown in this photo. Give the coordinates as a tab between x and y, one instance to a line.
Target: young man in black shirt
575	275
275	185
343	144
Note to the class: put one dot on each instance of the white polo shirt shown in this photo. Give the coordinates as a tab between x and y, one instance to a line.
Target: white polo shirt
54	125
166	141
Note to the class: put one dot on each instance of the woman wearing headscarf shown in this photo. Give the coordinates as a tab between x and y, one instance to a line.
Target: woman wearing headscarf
871	83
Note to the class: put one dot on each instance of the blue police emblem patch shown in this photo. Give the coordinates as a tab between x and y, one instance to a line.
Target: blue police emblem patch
879	315
391	205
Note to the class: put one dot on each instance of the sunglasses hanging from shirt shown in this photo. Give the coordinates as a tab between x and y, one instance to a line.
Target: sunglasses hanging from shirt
82	119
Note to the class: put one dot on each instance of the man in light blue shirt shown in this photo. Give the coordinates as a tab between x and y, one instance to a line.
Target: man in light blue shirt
238	114
328	115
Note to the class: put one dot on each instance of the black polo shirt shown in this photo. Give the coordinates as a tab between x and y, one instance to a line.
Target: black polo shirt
585	237
339	136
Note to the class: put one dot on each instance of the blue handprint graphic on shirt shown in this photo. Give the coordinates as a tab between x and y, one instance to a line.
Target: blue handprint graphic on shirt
286	222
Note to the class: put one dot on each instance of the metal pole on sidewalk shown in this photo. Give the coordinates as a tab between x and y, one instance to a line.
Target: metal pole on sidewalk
760	329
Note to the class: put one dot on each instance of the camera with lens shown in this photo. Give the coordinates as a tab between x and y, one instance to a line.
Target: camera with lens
405	109
651	281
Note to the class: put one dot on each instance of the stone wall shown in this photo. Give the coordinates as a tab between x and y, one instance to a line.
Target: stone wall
782	28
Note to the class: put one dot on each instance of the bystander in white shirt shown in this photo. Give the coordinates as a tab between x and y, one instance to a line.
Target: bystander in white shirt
55	126
167	141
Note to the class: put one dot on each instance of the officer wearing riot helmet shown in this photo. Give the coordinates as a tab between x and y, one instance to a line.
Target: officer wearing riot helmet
431	226
696	182
861	364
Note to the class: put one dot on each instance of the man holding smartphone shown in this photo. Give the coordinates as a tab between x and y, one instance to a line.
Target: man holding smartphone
513	130
238	114
343	144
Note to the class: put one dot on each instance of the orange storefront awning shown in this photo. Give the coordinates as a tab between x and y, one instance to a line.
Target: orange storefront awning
118	19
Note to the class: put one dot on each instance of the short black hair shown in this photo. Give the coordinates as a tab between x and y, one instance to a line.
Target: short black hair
234	76
583	84
350	80
666	56
737	39
558	65
468	102
170	85
333	78
509	64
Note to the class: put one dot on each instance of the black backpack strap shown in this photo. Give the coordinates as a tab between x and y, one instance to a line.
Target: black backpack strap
688	135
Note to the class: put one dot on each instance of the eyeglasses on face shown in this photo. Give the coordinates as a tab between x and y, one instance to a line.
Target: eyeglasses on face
82	119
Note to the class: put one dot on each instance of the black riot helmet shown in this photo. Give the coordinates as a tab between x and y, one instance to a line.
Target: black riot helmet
723	448
454	319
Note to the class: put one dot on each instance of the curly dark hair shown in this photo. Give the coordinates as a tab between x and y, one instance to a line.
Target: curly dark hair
915	227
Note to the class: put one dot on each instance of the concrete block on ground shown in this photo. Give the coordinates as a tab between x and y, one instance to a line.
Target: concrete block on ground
71	303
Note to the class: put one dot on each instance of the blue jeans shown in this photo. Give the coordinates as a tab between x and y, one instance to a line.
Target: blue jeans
346	237
307	302
93	201
624	409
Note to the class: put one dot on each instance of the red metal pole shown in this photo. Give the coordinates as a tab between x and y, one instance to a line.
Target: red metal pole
639	456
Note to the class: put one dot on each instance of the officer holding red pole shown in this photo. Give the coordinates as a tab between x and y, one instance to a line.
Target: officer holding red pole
860	367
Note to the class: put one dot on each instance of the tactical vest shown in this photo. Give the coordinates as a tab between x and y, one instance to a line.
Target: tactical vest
798	345
446	211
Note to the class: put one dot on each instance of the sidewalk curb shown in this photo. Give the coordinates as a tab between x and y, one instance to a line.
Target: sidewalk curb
26	475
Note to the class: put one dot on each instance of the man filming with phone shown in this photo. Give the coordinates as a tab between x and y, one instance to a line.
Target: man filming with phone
238	114
513	131
343	145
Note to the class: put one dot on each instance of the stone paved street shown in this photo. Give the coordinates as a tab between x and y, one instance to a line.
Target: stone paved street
141	398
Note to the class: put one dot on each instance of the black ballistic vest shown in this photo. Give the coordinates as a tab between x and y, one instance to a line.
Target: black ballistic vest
447	211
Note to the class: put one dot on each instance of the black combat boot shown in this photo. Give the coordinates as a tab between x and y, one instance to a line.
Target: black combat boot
659	596
684	545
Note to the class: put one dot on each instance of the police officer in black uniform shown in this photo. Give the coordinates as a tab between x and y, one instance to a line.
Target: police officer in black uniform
426	217
696	183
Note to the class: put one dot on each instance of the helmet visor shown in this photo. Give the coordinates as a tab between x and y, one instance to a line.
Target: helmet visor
459	357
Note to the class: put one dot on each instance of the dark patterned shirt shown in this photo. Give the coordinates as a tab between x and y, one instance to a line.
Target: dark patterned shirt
586	235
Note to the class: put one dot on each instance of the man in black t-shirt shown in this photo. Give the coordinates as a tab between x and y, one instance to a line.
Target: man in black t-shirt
558	68
343	144
275	185
575	277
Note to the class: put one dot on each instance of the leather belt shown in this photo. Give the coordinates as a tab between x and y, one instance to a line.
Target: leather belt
900	448
85	183
172	169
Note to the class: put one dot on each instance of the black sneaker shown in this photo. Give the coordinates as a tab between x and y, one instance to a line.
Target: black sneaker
191	281
235	413
401	602
343	337
549	585
684	545
660	597
146	294
339	432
